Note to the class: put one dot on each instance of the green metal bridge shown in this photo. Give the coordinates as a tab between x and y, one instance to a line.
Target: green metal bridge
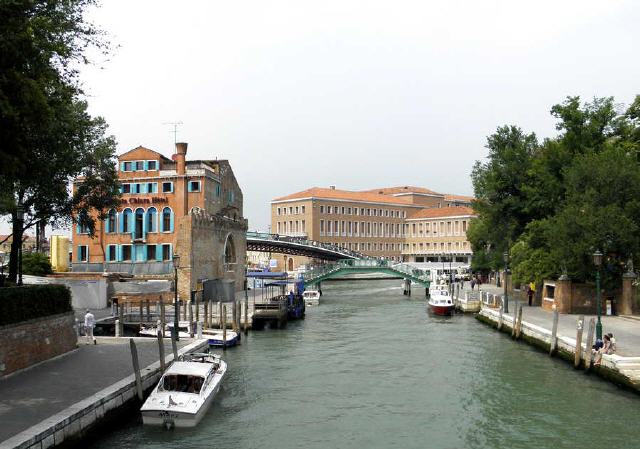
356	266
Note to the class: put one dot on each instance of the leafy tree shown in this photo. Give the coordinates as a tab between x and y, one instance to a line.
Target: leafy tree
48	138
499	185
36	264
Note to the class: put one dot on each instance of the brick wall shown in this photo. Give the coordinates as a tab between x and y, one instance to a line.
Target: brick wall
29	342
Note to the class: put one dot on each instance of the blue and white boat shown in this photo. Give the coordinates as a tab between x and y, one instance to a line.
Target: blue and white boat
215	337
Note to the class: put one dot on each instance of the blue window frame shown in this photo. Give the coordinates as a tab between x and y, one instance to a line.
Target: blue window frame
194	186
111	222
152	220
112	253
167	220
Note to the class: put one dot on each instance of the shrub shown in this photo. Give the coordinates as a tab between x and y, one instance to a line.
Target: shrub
36	264
33	301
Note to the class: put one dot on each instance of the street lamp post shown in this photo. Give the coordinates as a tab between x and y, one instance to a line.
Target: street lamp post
597	261
20	218
505	256
176	265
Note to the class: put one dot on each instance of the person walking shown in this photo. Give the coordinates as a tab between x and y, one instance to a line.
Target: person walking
89	324
531	290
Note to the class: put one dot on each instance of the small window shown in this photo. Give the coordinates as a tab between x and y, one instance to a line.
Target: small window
322	209
111	253
83	253
194	186
127	166
218	190
139	165
126	188
126	253
151	252
166	252
302	208
167	187
152	187
152	165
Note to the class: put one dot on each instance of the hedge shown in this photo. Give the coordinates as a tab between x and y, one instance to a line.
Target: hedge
33	301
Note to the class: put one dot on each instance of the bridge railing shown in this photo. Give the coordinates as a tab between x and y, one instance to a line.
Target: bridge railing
305	241
319	271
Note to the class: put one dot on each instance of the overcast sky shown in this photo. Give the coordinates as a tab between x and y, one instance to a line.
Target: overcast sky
357	94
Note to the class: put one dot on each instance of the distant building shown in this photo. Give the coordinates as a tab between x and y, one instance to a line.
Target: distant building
29	244
169	206
378	222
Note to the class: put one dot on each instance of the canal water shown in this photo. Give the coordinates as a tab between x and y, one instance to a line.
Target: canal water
369	368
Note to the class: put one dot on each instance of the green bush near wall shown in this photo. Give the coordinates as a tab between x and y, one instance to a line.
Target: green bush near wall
33	301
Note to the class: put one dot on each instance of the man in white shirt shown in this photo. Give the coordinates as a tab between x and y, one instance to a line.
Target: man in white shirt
89	324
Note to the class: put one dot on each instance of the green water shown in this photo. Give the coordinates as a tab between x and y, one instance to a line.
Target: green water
370	369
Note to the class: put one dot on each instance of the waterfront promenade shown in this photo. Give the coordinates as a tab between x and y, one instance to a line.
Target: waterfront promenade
35	394
626	329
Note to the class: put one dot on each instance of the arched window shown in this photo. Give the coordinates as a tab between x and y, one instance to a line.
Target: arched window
139	225
229	254
152	219
167	220
126	223
110	224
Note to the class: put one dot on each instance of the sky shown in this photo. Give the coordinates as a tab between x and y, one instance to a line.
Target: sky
356	94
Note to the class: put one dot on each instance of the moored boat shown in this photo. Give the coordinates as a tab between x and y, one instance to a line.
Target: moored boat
216	337
311	297
185	391
152	331
441	303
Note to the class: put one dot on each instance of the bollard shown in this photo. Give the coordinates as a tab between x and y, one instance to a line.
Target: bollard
500	319
174	343
117	330
198	329
224	328
553	344
246	315
206	314
578	349
136	368
191	329
519	323
148	304
140	309
588	344
197	303
162	317
234	315
161	351
184	310
220	318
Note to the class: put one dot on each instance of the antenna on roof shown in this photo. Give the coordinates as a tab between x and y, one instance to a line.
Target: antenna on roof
175	131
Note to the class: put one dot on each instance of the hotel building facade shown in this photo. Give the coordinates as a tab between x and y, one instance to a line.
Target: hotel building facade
410	224
164	202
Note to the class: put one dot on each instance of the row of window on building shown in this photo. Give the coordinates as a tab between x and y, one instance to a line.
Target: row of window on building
457	227
137	223
152	187
139	165
360	229
369	246
291	227
291	210
131	253
365	212
437	247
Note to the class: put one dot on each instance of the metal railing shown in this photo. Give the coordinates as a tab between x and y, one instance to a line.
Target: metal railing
400	268
141	268
305	241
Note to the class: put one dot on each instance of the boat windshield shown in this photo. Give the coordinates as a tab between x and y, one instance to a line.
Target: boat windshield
182	383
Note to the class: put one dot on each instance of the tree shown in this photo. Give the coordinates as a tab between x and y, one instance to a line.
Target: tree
36	264
499	185
48	138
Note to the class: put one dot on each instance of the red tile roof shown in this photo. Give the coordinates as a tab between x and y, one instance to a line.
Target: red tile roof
451	197
403	189
347	195
437	212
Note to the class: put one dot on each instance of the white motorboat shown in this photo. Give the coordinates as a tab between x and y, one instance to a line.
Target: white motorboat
440	302
185	391
311	297
152	331
216	337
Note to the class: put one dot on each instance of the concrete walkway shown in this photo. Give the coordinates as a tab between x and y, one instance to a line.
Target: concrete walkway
30	396
626	330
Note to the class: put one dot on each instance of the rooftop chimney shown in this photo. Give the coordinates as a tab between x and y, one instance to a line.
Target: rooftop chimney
181	153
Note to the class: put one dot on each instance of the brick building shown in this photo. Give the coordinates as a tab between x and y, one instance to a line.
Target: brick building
167	206
378	222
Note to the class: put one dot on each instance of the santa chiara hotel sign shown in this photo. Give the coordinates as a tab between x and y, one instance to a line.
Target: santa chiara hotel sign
152	200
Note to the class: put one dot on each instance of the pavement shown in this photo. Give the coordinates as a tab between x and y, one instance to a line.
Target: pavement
625	329
32	395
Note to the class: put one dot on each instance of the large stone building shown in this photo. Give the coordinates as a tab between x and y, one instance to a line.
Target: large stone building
399	223
169	206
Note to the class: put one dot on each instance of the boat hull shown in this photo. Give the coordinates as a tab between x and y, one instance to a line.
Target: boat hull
173	418
443	310
218	341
